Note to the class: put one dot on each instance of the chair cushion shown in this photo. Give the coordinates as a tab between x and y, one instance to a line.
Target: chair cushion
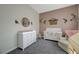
63	43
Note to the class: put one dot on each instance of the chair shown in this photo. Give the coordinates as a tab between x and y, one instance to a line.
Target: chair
63	43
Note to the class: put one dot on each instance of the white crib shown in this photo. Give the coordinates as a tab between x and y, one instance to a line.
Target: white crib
53	34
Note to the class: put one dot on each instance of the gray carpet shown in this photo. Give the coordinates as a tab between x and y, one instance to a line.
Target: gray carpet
40	47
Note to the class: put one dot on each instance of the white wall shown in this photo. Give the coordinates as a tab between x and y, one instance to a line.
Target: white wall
8	28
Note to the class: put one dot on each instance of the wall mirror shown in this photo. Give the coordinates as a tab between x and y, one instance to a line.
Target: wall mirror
25	22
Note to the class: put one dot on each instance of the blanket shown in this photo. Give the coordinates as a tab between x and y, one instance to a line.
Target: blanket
74	42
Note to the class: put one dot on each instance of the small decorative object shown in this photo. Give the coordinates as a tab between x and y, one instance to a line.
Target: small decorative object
65	20
16	22
53	21
31	23
42	21
74	16
70	19
25	22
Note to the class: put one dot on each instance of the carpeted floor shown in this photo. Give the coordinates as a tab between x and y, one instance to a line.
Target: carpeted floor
40	47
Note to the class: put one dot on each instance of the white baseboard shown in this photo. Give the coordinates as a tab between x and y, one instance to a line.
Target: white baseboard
9	50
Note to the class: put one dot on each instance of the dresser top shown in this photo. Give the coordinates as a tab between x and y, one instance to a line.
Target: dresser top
26	31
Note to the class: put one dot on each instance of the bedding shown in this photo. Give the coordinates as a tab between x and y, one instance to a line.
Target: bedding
70	33
74	42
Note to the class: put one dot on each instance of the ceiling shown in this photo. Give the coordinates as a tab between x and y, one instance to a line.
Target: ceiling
41	8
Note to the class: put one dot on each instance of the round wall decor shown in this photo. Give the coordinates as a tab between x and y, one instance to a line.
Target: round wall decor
25	22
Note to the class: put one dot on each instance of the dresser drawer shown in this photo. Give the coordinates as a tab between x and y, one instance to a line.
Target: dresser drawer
26	39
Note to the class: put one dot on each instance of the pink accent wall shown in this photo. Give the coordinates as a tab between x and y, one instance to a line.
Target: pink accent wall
60	14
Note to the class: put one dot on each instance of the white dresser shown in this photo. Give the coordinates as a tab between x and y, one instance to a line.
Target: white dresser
26	38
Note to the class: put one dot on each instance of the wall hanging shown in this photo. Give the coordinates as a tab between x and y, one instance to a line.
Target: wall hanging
16	22
73	17
53	21
25	22
65	20
31	23
42	21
